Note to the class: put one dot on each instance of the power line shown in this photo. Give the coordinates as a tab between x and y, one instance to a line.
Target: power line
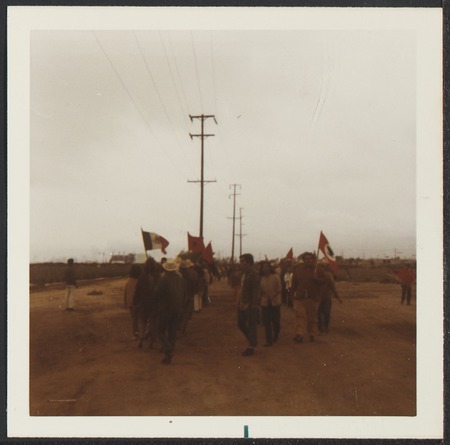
134	102
184	112
213	72
159	95
197	72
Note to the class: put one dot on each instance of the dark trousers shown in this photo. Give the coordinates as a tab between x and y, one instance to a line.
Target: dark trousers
271	320
167	331
247	321
406	294
324	315
187	313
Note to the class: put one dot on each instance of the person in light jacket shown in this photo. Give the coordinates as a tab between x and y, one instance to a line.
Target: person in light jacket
270	302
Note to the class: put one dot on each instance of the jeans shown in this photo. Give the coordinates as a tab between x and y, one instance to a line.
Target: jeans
271	321
167	331
247	321
324	315
406	293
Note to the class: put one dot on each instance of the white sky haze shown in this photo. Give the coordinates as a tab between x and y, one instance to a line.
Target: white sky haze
317	126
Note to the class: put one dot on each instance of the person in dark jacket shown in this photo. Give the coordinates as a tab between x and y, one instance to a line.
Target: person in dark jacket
170	295
327	289
249	302
145	303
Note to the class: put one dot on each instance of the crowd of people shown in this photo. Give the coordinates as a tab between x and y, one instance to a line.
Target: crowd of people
162	297
308	286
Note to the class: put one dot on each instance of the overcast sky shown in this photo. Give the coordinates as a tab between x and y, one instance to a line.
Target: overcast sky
318	128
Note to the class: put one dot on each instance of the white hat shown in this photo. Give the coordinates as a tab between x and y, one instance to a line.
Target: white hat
171	265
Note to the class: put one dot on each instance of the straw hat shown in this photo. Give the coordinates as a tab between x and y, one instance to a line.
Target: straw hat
171	265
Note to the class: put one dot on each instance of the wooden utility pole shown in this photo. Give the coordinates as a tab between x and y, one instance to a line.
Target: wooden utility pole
202	136
234	218
240	231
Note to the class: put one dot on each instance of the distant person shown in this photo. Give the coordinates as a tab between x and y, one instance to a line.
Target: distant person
71	284
327	289
406	277
128	297
145	302
170	294
288	284
270	302
306	297
207	281
249	302
201	284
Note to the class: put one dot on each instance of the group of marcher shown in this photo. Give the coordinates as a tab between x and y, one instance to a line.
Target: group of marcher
162	297
309	285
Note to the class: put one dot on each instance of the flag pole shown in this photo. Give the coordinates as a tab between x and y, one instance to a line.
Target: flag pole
142	234
317	257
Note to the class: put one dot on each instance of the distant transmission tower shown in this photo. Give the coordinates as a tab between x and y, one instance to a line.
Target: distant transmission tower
234	218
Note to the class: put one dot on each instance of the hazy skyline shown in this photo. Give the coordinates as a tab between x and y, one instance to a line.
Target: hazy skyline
317	127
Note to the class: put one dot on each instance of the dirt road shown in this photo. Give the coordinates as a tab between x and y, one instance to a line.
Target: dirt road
86	363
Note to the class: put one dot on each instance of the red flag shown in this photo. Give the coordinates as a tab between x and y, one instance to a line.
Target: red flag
325	248
290	255
195	243
154	241
208	253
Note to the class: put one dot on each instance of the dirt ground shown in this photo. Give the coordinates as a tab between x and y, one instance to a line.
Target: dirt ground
86	363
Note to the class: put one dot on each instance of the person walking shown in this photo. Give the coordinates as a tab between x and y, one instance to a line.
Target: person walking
128	297
270	302
145	303
71	284
327	290
249	302
406	277
306	298
170	295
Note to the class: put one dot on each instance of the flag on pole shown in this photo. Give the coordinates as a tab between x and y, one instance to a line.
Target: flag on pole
195	243
325	248
154	241
208	253
290	255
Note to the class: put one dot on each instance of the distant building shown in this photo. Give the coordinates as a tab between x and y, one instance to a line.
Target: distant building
122	259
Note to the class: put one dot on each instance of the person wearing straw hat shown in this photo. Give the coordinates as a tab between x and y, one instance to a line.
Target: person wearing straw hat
171	296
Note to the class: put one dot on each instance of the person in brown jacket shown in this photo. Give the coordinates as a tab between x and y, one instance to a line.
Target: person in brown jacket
306	297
